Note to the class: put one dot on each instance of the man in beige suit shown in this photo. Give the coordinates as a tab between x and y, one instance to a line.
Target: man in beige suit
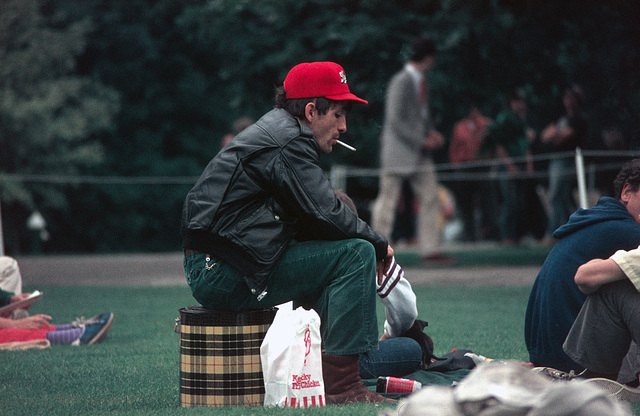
407	139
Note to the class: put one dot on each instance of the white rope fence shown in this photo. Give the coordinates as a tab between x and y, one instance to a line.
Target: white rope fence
482	170
487	170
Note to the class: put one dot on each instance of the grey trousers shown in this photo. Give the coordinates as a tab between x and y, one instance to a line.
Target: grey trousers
605	334
425	186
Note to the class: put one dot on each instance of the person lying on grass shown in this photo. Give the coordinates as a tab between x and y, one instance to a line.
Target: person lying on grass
36	330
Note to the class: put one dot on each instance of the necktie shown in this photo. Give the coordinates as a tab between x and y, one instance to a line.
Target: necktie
423	92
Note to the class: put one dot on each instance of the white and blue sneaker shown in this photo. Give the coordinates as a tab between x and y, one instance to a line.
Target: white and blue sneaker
96	328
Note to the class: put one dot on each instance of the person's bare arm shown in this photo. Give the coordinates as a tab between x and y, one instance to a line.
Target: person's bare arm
595	273
31	322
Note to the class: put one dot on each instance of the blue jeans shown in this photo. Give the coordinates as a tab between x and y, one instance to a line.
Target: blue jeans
560	197
335	278
396	357
511	217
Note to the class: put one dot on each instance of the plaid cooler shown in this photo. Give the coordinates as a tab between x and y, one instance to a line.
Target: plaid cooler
220	356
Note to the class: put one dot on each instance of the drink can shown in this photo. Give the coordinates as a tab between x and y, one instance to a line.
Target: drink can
397	385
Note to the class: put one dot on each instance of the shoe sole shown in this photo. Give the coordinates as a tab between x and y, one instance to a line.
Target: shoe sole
613	388
554	374
103	332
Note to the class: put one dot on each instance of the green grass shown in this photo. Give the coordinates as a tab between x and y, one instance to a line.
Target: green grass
135	369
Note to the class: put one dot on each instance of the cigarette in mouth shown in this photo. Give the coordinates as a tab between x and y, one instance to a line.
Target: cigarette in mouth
353	149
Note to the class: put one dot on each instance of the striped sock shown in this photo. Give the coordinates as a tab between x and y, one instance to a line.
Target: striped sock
65	336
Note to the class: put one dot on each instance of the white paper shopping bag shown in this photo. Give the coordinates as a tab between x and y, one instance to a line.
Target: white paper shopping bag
291	359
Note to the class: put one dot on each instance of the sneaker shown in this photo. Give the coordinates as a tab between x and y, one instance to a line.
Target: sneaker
82	321
613	388
97	329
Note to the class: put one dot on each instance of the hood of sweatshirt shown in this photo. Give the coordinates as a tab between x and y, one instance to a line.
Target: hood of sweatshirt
606	209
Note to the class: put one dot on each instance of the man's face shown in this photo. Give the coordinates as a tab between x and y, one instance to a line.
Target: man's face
631	200
328	127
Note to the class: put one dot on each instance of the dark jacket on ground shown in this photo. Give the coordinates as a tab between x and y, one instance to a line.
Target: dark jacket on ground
555	299
260	192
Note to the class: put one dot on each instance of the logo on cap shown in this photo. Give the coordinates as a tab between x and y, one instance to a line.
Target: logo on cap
343	77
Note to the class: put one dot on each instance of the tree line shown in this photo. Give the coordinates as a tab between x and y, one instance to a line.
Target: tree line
141	88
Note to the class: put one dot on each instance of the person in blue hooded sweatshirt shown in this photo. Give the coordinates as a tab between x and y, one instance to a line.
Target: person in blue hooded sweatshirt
598	232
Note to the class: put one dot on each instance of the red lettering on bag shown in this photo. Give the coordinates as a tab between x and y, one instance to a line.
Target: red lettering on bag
303	381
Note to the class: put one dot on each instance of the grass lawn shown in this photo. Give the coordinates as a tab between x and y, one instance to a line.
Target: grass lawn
135	369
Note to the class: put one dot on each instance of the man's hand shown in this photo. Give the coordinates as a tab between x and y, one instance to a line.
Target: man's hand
18	298
382	267
434	140
32	322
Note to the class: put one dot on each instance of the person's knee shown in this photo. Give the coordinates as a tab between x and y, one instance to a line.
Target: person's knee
363	249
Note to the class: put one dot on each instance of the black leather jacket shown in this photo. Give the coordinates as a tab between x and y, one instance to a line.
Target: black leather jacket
260	192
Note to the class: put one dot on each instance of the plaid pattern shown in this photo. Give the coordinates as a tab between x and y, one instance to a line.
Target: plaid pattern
220	356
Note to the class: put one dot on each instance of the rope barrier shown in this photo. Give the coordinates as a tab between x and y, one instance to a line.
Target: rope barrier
446	171
480	170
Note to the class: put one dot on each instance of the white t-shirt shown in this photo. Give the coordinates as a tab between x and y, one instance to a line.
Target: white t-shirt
629	262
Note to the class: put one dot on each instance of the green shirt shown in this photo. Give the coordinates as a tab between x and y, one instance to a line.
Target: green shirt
5	297
510	131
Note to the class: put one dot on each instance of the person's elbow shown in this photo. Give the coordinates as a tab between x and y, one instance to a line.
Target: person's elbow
586	280
597	272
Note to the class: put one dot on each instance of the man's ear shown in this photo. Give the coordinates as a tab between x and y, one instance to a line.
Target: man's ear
310	112
625	193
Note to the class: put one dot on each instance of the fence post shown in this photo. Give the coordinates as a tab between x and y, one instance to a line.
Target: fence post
582	187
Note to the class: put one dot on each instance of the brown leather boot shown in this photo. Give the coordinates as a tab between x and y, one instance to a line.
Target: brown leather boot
342	383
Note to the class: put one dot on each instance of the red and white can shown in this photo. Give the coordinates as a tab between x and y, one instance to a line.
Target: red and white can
397	385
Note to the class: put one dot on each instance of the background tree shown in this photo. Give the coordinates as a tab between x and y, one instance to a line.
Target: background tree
183	71
50	117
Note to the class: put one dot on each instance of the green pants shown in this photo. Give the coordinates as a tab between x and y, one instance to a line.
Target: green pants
335	278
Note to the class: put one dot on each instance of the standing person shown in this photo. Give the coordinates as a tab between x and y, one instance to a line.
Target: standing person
407	140
565	135
598	232
509	138
244	221
467	138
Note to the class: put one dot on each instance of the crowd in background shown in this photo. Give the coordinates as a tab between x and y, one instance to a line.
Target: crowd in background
507	200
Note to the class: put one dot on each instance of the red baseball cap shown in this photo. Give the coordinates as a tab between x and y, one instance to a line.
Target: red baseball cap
318	79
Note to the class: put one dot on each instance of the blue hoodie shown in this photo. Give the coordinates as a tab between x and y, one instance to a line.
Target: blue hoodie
555	301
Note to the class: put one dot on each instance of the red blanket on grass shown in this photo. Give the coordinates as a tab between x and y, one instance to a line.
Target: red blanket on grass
22	335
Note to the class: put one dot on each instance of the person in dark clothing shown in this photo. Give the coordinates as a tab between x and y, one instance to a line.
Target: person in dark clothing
598	232
565	135
262	226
